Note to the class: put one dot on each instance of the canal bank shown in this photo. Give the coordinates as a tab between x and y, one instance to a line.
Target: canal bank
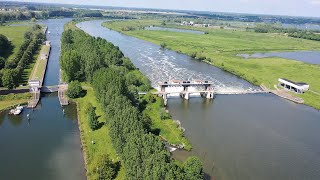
241	136
46	145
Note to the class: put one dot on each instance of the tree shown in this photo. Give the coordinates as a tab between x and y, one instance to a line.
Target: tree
8	79
5	45
193	168
70	63
74	89
92	117
2	62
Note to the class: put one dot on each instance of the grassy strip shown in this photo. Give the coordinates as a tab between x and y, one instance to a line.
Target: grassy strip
10	100
220	48
38	71
102	141
169	129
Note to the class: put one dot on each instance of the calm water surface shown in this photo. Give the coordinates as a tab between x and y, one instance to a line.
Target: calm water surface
237	136
311	57
155	28
47	146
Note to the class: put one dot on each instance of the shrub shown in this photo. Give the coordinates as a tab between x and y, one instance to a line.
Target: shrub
92	117
105	168
163	45
75	90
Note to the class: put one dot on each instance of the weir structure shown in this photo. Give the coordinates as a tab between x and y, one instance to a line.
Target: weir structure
186	88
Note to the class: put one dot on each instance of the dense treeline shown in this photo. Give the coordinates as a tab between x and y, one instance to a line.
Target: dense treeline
291	32
11	74
18	16
114	79
28	15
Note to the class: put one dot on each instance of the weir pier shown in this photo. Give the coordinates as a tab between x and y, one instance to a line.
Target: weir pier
186	88
200	88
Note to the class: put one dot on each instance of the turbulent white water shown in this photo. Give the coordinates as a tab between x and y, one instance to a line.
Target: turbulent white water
164	65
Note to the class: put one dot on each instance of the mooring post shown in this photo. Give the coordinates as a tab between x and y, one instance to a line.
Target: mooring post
165	100
186	95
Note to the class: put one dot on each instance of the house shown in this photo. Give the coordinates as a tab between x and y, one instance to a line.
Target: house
297	87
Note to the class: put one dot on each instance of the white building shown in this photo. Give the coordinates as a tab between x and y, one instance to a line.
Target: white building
297	87
34	85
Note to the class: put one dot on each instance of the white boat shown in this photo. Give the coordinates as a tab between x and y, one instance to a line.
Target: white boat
49	32
17	110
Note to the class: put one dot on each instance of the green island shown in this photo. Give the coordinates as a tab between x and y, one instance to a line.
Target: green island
220	48
123	135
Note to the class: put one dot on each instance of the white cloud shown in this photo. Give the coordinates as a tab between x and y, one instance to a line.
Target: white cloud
315	2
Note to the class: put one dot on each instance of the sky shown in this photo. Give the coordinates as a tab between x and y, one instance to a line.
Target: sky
275	7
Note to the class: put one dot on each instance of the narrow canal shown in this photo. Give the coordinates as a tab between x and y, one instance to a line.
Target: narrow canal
237	136
47	146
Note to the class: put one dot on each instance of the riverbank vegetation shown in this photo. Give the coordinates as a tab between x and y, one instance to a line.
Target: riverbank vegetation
291	32
128	121
18	67
7	101
220	47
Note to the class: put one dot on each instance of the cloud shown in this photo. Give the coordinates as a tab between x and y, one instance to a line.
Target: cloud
315	2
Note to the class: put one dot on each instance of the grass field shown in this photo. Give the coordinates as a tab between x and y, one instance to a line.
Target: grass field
220	48
102	141
15	35
10	100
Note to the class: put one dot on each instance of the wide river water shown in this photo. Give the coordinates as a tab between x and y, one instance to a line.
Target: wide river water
47	146
237	136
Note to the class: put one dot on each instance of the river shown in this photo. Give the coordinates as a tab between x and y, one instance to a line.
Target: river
236	136
47	146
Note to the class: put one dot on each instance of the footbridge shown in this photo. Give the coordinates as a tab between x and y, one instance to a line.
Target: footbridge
36	88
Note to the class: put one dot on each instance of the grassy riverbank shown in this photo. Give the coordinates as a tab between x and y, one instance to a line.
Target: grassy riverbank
10	100
102	141
220	48
163	124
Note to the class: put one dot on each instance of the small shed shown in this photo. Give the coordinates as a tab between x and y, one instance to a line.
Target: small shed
34	85
297	87
44	56
48	43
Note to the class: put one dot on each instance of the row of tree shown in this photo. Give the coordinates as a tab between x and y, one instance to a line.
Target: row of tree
291	32
114	79
30	14
11	73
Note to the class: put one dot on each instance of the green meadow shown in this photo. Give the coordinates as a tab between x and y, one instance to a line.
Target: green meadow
15	34
219	47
